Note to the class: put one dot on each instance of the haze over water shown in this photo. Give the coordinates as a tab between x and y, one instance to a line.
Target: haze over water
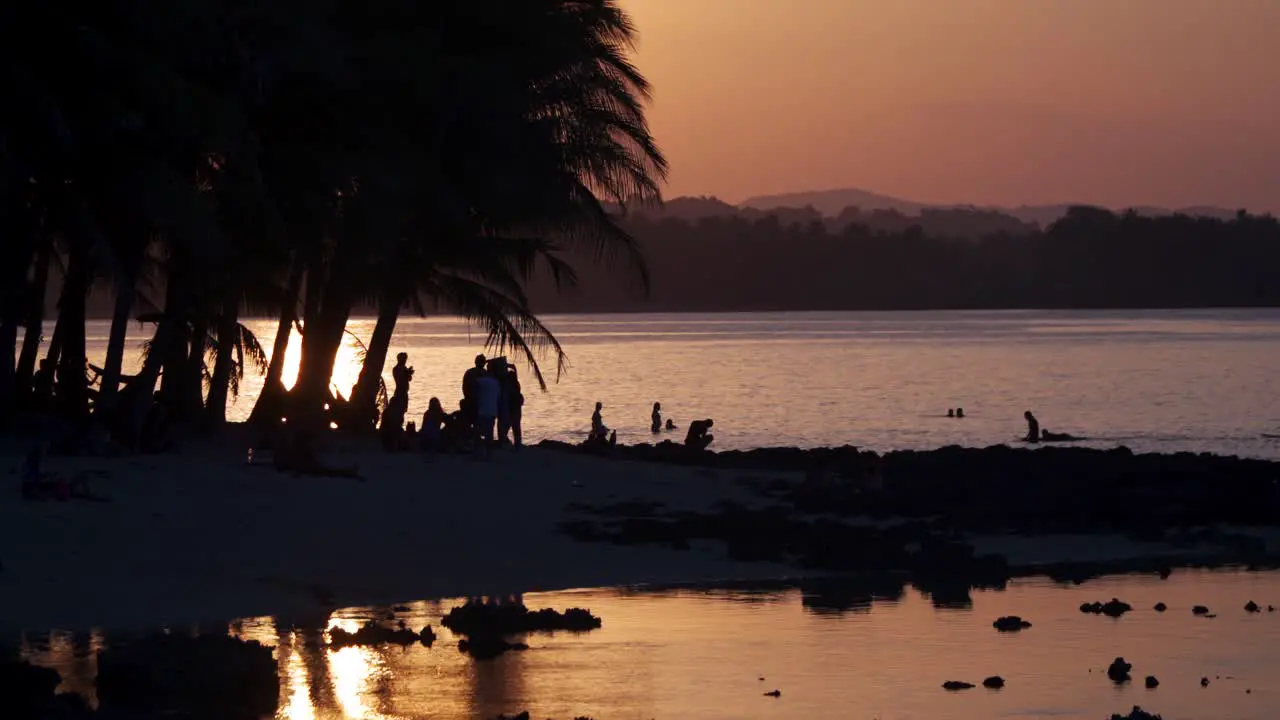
1197	380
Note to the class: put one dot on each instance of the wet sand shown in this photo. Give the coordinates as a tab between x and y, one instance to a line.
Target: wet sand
200	535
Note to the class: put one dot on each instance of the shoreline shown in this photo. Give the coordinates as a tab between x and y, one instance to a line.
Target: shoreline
199	536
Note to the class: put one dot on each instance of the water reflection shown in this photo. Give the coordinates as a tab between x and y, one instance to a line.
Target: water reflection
871	648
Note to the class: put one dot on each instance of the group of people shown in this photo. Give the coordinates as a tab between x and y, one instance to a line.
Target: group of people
488	415
698	437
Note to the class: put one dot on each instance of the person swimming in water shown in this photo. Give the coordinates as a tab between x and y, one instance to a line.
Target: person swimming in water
671	425
598	429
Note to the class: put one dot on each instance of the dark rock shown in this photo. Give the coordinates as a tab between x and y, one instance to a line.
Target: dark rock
1118	671
995	682
373	634
488	647
1252	607
1010	623
475	618
1160	607
1136	714
956	685
1112	608
1199	610
212	675
773	693
1152	682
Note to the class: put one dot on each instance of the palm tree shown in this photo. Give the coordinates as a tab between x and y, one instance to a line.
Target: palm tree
556	126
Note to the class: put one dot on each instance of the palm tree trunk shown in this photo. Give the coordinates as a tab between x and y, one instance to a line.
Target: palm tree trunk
189	400
35	316
273	391
138	395
320	344
364	397
172	355
108	393
8	376
72	385
228	327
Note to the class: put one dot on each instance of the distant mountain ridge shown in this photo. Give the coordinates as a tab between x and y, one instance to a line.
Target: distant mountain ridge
830	203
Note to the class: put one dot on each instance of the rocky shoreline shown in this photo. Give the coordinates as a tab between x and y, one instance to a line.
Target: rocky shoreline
911	516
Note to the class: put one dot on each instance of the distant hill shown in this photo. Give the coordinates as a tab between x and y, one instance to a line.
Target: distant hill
831	203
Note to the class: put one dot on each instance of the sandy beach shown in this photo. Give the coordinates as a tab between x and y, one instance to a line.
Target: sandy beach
200	535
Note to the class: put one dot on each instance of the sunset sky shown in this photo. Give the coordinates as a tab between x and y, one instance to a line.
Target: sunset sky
1115	102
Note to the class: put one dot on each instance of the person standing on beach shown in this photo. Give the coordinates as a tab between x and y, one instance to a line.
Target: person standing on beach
469	389
655	426
401	375
488	393
514	399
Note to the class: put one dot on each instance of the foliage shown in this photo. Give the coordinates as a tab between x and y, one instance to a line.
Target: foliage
418	154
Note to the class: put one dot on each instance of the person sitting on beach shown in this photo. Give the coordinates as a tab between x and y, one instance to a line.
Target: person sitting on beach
655	426
959	412
1033	427
433	422
699	436
487	395
951	413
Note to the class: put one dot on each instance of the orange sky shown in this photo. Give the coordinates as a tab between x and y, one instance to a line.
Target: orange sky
1116	102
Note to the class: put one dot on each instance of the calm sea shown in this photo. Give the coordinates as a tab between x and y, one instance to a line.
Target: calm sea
706	655
1199	380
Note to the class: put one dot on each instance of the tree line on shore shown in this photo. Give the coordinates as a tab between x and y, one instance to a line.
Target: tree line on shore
1090	258
209	159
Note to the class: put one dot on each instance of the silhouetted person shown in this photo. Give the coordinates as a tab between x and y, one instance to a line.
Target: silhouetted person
699	436
959	412
433	421
951	413
469	389
655	426
1033	427
42	385
401	374
671	425
488	393
598	429
513	397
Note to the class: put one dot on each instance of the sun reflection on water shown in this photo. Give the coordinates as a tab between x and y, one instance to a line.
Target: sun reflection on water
297	682
353	671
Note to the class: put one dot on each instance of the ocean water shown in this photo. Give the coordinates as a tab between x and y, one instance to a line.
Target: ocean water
1196	380
710	654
